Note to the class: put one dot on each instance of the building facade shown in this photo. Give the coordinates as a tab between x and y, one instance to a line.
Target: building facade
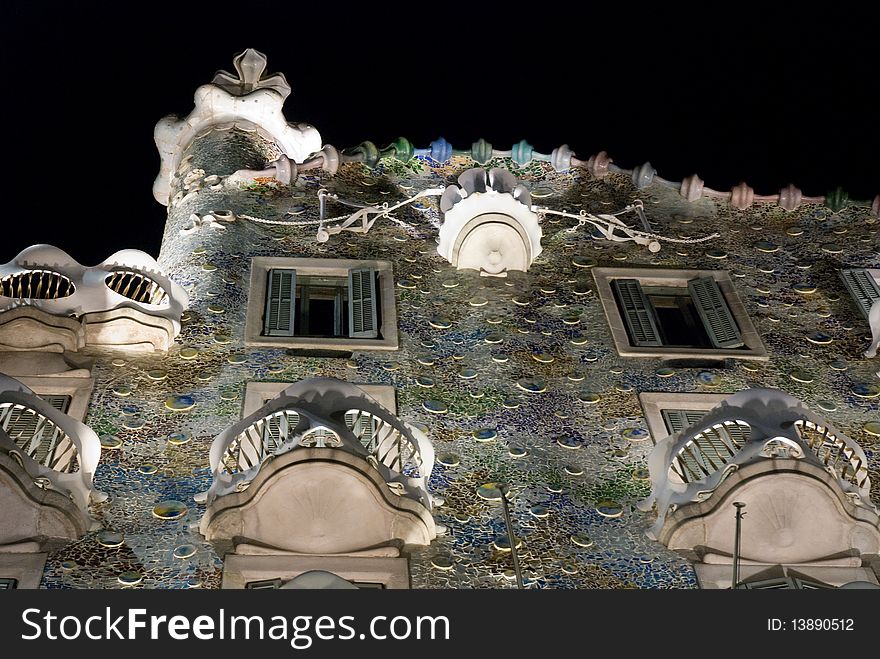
342	358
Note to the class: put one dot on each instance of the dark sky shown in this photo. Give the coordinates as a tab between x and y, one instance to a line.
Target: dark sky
769	98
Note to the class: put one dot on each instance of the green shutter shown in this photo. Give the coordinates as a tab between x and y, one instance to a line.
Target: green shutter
862	287
272	438
678	420
714	312
25	428
711	450
8	584
362	316
638	312
277	428
266	584
60	403
280	303
362	424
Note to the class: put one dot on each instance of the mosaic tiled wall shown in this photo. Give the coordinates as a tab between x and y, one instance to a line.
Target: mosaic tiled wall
533	391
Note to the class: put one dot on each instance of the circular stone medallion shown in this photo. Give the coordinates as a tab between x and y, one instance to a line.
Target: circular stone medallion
179	438
180	403
110	539
185	551
532	385
484	434
435	406
169	510
582	540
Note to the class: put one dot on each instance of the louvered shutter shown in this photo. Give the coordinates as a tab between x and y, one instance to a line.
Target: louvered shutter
272	434
280	303
60	403
687	464
638	312
22	425
714	312
362	425
362	316
862	287
678	420
267	584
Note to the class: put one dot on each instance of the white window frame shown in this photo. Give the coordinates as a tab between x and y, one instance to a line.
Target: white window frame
25	567
654	402
79	390
260	267
242	569
753	348
258	394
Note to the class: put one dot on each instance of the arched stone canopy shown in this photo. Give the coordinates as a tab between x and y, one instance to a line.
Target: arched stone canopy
795	514
488	223
318	501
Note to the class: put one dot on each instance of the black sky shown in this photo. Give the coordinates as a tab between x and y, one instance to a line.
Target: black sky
732	94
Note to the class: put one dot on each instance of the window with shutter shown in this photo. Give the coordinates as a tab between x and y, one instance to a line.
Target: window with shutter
637	312
280	303
362	424
678	420
714	312
277	429
655	312
266	584
8	584
712	448
362	311
321	304
37	438
862	287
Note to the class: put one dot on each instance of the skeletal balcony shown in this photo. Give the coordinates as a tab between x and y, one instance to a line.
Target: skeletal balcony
47	466
48	301
321	469
805	483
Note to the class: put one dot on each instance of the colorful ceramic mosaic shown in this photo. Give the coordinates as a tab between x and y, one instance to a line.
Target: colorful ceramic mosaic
516	379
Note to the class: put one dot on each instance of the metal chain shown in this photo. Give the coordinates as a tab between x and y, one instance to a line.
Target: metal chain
382	210
584	218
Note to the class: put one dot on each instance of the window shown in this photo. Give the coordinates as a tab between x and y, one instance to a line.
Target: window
322	303
21	424
784	583
271	571
712	449
863	286
66	394
275	584
688	313
8	584
667	413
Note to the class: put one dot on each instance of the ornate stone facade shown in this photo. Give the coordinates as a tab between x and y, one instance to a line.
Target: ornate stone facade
513	379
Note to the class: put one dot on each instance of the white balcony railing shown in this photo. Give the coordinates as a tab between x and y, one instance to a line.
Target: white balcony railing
323	413
55	450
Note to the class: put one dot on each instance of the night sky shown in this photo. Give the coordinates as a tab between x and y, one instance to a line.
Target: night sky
768	98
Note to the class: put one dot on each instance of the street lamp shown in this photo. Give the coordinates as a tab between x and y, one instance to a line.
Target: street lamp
739	505
494	492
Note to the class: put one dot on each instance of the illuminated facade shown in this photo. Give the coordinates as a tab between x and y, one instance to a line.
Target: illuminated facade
340	356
